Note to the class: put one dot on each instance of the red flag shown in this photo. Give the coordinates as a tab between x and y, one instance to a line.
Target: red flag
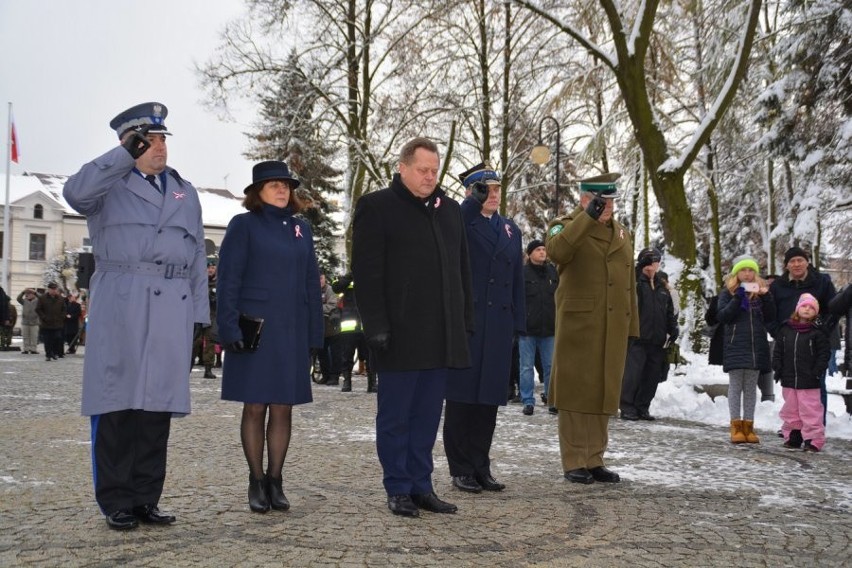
14	148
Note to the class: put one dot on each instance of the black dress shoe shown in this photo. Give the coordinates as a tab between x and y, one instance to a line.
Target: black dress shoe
528	409
581	475
489	483
257	498
403	506
431	502
629	416
467	483
121	521
151	514
601	473
646	416
275	492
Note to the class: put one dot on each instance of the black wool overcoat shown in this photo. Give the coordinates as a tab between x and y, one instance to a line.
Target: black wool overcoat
412	278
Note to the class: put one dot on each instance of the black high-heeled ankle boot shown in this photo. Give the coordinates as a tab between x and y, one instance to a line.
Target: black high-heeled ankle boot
257	498
275	490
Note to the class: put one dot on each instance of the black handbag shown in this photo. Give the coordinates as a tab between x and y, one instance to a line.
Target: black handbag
251	327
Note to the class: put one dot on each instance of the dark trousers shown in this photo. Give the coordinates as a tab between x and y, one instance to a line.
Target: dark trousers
468	433
642	373
349	342
409	411
329	357
54	345
129	458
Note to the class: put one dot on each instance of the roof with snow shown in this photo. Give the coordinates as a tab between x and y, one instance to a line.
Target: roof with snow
218	206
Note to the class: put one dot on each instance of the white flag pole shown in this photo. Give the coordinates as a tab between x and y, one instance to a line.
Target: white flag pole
6	212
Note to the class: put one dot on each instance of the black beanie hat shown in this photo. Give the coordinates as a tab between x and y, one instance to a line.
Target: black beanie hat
793	252
647	257
534	244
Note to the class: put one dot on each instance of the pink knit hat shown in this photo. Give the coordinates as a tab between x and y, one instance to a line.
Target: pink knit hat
807	300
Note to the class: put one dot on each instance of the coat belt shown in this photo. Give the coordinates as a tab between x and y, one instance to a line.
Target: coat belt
167	271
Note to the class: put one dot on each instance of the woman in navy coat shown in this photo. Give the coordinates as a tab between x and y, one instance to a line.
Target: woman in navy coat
268	269
473	394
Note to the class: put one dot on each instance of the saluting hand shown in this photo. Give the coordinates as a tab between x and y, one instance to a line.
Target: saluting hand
136	143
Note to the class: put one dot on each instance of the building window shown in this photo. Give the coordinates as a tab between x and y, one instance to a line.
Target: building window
38	211
38	245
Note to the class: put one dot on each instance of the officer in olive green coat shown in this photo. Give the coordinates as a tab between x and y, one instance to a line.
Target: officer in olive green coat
595	313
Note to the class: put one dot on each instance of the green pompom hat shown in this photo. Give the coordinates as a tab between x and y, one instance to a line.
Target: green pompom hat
744	261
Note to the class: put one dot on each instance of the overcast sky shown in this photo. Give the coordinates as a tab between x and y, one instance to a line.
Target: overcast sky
69	67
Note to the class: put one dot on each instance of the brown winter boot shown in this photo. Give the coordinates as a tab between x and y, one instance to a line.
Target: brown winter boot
737	435
748	431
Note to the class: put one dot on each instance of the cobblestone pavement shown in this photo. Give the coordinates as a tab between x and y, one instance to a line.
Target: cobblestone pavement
688	497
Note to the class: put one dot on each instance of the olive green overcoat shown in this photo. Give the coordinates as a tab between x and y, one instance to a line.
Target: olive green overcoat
595	312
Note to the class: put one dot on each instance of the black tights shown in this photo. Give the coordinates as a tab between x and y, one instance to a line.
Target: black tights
277	437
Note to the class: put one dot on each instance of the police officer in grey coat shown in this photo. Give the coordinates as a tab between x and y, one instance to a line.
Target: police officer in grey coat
148	292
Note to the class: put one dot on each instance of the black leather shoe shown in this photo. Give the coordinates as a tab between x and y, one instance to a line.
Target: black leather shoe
489	483
467	483
403	506
601	473
257	498
646	416
581	475
528	409
151	514
553	410
275	492
431	502
629	416
121	521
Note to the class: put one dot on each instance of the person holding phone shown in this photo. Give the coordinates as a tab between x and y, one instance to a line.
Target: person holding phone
745	306
268	269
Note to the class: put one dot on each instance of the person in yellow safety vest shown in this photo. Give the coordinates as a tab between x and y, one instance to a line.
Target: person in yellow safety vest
351	333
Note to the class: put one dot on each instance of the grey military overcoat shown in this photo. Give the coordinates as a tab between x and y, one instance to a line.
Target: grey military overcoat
139	334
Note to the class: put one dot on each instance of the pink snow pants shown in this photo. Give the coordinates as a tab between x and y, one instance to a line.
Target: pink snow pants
802	410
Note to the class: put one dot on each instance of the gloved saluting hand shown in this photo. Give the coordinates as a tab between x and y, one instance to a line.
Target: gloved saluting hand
136	143
479	191
595	207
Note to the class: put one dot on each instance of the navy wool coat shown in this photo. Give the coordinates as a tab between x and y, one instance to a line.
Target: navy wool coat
745	344
139	335
268	268
497	273
412	278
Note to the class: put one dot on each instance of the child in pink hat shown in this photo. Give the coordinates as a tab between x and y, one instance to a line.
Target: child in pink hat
799	360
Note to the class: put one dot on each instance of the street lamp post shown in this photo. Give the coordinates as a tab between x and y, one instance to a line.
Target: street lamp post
541	154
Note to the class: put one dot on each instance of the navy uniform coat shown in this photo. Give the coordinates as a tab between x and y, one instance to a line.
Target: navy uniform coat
412	274
497	273
139	335
268	268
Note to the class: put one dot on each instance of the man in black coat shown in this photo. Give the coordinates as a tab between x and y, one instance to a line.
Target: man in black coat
411	265
657	328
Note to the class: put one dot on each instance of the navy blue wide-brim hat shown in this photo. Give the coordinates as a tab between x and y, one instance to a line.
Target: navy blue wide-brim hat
603	185
480	172
271	170
147	114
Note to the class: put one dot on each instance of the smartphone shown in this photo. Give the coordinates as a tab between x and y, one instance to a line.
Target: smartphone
751	286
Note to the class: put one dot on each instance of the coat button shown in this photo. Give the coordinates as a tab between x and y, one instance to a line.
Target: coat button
160	231
491	281
490	303
159	262
156	292
183	297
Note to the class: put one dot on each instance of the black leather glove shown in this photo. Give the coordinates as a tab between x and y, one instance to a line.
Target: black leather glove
197	328
379	342
236	347
136	143
479	191
595	207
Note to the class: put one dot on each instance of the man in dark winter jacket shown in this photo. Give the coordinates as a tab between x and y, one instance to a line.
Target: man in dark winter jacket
841	306
657	328
51	315
800	277
540	282
412	268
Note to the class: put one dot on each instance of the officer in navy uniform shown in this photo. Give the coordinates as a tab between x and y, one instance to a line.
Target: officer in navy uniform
148	296
497	272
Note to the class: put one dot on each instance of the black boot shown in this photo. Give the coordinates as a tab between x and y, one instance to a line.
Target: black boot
275	490
208	372
333	380
371	382
347	382
258	500
323	379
